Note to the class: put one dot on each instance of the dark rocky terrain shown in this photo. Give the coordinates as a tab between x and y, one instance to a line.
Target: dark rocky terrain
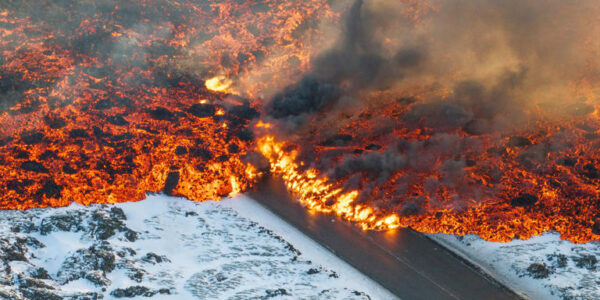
161	247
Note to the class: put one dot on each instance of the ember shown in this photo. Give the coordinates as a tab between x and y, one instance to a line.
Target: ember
407	115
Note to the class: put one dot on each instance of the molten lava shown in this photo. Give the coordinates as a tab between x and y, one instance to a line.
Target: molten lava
317	193
218	84
101	102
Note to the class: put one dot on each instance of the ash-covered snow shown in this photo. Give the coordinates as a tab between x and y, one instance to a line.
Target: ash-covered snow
543	267
168	248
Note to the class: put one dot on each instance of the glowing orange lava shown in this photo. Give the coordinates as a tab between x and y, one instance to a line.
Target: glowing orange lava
317	193
102	103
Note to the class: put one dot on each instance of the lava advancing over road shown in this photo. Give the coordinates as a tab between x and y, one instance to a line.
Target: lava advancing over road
446	116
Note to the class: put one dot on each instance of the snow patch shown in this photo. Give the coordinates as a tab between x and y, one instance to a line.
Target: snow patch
543	267
169	248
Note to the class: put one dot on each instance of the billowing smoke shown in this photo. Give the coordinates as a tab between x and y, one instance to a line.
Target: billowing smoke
484	58
459	76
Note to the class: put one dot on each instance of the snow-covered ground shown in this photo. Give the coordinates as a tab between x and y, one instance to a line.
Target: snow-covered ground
544	267
172	248
168	248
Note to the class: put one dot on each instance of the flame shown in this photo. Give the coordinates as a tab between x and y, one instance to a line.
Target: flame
235	187
261	124
314	191
218	84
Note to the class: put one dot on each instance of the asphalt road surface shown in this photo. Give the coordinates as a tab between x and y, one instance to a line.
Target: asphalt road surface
405	262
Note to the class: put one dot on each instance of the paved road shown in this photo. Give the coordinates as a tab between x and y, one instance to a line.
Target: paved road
405	262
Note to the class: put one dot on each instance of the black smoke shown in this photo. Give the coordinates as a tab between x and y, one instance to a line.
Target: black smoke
357	61
475	72
307	96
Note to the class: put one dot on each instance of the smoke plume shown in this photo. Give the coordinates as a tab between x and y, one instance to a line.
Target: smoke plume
460	73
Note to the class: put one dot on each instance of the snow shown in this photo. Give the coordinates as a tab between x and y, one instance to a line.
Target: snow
577	277
254	211
229	249
237	249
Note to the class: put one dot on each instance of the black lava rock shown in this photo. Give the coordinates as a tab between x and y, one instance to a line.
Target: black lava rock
162	114
171	183
523	200
245	135
244	112
34	166
204	153
18	185
596	227
519	141
312	271
117	120
39	294
91	263
337	140
47	154
558	260
567	161
50	189
373	147
66	222
32	137
78	133
233	148
538	270
202	110
586	261
276	293
154	258
40	273
132	291
180	150
103	104
68	169
118	213
23	226
11	250
105	225
131	235
55	122
590	171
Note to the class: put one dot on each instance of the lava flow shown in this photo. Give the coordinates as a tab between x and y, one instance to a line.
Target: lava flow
442	116
103	101
316	193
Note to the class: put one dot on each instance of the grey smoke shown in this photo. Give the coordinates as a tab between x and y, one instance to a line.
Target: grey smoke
307	96
357	61
376	165
496	59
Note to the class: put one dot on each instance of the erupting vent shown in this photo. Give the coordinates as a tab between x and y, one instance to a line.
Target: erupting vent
402	117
